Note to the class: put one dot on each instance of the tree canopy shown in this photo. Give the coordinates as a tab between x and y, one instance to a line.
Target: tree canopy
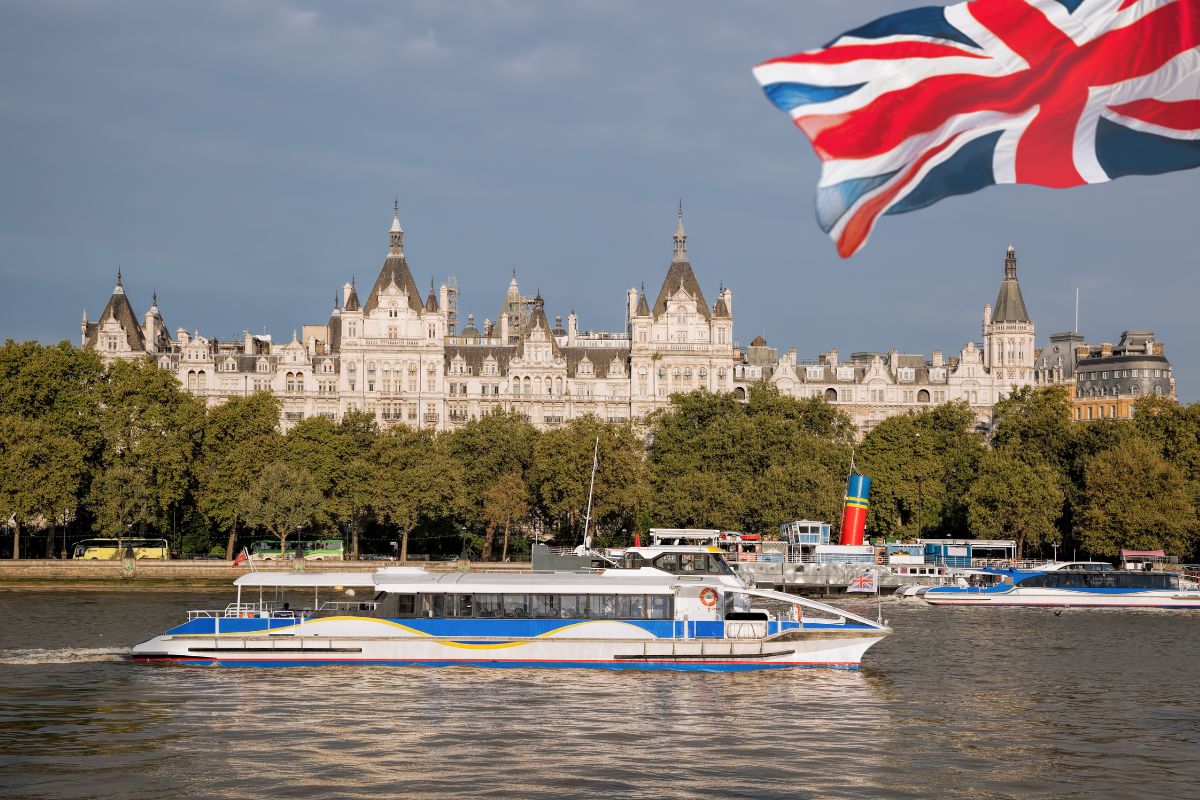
101	450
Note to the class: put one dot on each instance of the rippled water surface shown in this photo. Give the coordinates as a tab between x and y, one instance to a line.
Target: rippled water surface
957	703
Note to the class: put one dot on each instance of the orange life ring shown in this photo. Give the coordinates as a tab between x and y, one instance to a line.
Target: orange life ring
708	596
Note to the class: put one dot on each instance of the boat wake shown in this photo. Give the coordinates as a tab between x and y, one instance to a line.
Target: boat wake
70	655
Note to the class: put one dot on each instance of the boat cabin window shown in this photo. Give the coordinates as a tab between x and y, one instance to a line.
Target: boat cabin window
631	606
1105	579
487	605
516	605
535	606
658	606
543	606
602	606
633	561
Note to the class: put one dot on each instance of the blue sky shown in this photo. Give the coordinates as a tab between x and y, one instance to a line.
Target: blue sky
241	158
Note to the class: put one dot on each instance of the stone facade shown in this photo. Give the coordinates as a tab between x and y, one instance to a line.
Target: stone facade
398	356
870	387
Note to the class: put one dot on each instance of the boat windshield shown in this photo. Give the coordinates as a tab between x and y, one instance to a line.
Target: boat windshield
692	564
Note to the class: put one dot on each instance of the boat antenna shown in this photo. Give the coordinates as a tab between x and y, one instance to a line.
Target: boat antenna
587	517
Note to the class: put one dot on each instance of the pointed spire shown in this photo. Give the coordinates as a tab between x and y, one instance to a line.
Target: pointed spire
396	234
680	237
1010	305
120	287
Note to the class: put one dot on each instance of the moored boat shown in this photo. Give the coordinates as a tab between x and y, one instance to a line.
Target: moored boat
639	618
1076	584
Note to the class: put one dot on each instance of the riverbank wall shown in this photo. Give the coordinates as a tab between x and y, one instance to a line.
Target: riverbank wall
48	573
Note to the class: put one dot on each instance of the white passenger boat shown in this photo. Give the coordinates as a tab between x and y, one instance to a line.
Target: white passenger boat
640	618
1077	583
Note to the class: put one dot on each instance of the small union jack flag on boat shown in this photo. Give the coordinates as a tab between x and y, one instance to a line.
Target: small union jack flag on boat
864	583
934	102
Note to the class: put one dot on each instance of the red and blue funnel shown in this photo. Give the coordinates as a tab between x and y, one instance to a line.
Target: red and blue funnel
854	516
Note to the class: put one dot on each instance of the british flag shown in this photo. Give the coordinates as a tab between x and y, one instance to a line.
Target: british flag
940	101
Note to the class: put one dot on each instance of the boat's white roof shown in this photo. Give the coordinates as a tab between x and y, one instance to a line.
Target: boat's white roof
309	579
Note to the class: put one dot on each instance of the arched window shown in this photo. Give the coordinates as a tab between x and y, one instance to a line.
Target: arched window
831	395
516	386
923	396
528	384
739	393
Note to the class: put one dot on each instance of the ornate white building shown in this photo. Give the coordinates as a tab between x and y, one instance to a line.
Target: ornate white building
399	357
870	387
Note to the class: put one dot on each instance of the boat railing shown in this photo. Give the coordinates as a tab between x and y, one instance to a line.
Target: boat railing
348	605
243	610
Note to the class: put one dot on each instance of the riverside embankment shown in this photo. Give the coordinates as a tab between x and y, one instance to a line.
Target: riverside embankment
46	573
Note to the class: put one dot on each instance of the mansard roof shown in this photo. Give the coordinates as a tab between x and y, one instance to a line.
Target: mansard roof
394	270
680	275
118	307
600	357
473	355
538	320
1010	305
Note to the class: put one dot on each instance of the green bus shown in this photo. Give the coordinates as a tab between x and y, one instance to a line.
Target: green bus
310	550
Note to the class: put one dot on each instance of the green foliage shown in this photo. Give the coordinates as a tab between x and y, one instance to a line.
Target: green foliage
921	466
561	475
505	502
1011	499
486	449
718	463
413	479
1035	424
240	438
99	450
41	474
1133	498
283	499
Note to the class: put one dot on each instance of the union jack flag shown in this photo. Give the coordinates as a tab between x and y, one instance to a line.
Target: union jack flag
865	582
935	102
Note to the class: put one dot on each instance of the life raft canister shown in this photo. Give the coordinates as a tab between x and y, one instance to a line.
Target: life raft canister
708	596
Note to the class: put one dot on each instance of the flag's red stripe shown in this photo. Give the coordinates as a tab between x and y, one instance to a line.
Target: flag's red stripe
1183	115
887	51
859	226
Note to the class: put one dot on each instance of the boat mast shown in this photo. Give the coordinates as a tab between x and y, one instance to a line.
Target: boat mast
587	517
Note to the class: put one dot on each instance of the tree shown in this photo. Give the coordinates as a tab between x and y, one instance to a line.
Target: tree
486	449
1010	498
562	470
414	478
281	499
1035	425
505	502
1133	498
335	454
240	438
151	431
41	472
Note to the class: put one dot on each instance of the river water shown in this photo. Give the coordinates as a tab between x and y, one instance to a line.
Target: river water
959	702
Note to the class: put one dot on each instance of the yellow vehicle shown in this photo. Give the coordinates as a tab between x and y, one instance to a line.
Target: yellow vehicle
110	549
